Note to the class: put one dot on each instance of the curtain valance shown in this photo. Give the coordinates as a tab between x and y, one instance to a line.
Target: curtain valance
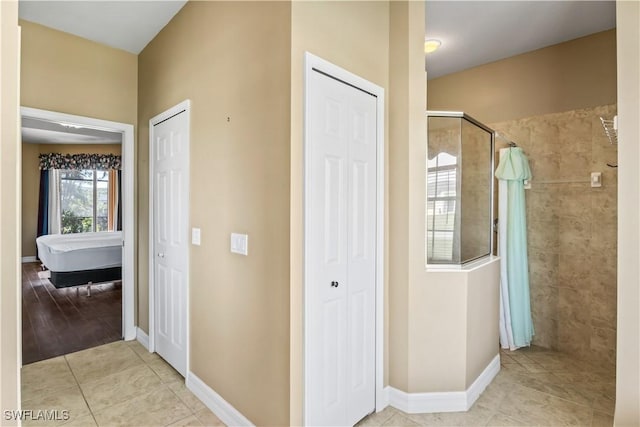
79	161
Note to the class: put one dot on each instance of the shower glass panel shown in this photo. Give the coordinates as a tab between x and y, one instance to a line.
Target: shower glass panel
459	189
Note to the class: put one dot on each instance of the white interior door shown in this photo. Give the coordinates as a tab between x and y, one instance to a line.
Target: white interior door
341	252
170	249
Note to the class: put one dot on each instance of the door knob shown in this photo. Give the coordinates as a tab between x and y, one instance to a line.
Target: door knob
335	284
160	254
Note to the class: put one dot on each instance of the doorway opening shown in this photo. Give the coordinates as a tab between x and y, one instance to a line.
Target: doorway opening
80	275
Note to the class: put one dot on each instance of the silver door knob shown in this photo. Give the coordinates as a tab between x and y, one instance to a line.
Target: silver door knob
160	254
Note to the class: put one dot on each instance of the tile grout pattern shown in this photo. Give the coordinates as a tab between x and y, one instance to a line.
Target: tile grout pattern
571	231
123	384
535	387
117	384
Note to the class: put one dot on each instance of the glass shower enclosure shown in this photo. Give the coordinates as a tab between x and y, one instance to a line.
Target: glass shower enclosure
459	211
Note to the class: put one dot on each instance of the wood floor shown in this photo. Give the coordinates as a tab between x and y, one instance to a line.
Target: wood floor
58	321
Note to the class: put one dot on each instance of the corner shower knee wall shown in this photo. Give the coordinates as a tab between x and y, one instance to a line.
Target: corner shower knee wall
452	350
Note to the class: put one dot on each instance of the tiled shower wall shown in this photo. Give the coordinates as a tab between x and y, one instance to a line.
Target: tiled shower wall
571	230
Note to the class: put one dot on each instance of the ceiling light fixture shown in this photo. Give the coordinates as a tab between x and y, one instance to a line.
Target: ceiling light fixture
431	45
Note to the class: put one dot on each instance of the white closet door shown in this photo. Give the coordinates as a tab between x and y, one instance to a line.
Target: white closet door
341	253
170	238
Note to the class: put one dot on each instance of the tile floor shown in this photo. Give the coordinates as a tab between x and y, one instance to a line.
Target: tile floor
535	387
117	384
124	385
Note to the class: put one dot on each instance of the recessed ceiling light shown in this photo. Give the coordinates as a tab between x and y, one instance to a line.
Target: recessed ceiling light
431	45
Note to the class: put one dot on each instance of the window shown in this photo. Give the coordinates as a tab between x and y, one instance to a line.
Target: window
84	200
441	207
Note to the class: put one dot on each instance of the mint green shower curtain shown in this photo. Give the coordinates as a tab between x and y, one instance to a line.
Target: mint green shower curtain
512	171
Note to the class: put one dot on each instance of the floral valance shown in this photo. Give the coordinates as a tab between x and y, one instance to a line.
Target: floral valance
79	161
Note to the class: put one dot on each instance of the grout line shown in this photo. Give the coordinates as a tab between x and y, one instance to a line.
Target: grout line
81	392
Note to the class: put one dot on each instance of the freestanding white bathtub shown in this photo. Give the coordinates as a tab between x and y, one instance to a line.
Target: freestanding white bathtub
78	258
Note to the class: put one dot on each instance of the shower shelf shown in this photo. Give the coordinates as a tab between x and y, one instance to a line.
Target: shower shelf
610	129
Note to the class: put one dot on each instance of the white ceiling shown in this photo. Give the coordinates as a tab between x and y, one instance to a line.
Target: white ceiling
126	25
472	32
36	131
479	32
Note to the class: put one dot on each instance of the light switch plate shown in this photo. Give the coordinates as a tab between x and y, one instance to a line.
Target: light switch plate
239	244
596	179
195	236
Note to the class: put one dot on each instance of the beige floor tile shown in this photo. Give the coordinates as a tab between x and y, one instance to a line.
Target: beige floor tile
84	421
46	377
166	373
400	420
143	352
159	407
519	356
190	421
538	408
378	418
494	394
582	377
99	362
568	391
514	367
68	399
533	367
187	397
505	359
119	387
208	418
501	420
478	415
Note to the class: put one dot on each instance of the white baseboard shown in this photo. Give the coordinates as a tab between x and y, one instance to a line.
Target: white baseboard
29	259
382	401
220	407
418	403
142	338
454	401
483	380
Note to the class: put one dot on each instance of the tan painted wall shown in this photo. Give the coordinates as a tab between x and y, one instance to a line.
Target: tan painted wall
9	209
483	308
437	333
31	183
628	368
232	63
576	74
453	327
68	74
354	36
397	192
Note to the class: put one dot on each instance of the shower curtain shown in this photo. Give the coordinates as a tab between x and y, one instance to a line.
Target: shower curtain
516	325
